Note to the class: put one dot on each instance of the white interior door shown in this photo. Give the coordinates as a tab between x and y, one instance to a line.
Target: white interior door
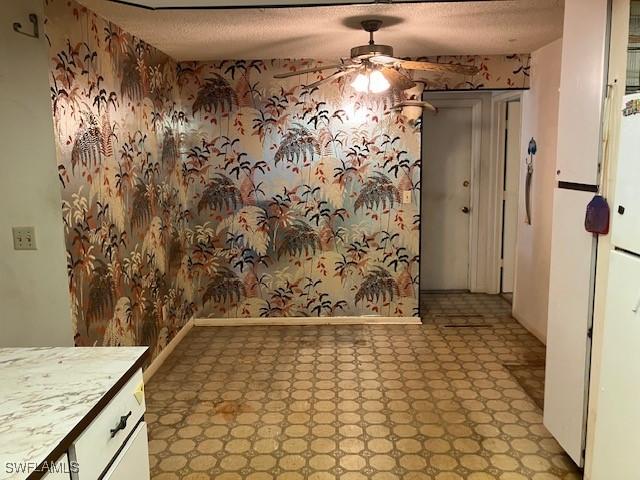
446	197
510	205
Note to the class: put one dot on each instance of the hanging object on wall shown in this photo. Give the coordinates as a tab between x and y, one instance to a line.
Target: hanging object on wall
35	33
596	219
374	69
598	213
531	150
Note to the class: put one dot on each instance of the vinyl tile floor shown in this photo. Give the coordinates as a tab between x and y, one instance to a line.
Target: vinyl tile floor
454	398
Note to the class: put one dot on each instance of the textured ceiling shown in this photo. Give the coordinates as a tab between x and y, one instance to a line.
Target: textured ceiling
417	29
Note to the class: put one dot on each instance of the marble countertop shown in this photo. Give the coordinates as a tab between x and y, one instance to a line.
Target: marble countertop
46	392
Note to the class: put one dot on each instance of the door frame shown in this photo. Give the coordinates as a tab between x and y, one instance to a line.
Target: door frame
502	104
498	125
474	195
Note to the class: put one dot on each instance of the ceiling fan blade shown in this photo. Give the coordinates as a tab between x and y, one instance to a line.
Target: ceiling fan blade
439	67
307	70
397	80
333	76
414	103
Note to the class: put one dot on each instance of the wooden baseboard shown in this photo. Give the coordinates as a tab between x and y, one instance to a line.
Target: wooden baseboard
294	321
282	321
162	356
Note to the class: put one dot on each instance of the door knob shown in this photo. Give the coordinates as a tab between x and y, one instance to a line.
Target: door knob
465	210
465	183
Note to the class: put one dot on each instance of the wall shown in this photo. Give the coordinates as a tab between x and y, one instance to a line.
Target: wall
116	116
496	72
33	297
297	192
540	121
297	195
213	189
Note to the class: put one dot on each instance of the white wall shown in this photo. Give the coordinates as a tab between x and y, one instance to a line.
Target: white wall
540	121
34	299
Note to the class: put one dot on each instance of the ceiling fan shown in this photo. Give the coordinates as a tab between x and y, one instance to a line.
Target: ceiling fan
376	69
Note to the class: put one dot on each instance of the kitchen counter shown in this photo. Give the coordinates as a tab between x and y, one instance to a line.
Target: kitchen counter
48	396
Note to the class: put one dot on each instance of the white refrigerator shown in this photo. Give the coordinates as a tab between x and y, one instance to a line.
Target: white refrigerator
616	447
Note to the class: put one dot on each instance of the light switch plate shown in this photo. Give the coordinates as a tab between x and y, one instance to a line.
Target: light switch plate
406	196
24	238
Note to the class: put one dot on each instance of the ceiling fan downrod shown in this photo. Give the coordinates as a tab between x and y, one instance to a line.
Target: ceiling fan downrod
372	49
371	26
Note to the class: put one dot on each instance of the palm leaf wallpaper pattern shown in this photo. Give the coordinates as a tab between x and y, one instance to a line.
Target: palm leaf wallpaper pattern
210	189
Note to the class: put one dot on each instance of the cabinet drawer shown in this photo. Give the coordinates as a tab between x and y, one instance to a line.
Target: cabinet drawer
98	444
133	460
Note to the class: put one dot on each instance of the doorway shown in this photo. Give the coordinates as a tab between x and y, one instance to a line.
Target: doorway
510	182
450	145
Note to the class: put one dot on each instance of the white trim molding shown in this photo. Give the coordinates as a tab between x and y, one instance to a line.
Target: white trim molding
301	321
166	351
496	174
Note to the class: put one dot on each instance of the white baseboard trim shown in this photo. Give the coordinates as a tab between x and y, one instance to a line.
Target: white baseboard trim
297	321
166	351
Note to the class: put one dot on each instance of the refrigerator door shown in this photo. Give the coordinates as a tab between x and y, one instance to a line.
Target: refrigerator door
616	441
571	287
626	211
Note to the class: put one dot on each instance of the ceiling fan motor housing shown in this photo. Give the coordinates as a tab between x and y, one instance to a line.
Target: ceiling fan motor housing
367	51
371	50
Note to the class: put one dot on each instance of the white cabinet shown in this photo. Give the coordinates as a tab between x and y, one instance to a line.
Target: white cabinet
116	439
617	443
582	85
133	460
98	444
626	211
570	317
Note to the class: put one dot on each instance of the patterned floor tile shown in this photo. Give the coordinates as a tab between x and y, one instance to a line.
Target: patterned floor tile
454	398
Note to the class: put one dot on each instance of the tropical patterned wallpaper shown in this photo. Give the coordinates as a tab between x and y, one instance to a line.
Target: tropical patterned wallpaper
298	195
213	190
116	117
306	202
497	72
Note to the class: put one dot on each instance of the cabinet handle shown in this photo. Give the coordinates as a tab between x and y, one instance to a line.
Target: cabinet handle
122	424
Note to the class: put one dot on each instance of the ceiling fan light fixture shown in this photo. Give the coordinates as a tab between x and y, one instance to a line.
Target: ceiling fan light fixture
377	82
361	83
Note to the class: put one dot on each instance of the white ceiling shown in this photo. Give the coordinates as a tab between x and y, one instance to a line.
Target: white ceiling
416	29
